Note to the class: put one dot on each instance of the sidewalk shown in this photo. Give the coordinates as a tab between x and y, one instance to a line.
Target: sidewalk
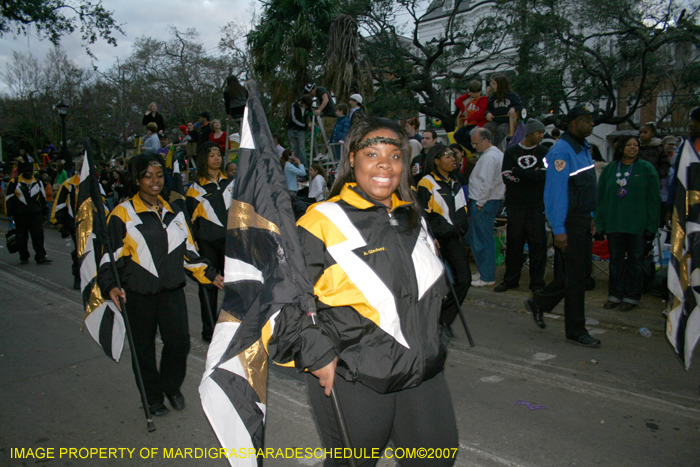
648	314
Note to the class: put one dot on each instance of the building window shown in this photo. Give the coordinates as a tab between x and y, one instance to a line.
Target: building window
663	105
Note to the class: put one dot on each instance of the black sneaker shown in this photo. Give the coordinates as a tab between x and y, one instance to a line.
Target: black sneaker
448	330
24	261
177	401
585	340
158	409
502	287
44	260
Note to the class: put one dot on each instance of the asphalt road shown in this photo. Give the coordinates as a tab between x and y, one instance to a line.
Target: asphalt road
522	396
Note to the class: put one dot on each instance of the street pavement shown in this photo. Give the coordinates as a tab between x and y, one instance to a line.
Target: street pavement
522	396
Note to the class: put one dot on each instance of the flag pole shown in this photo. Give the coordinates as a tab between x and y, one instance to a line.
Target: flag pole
95	194
342	426
454	294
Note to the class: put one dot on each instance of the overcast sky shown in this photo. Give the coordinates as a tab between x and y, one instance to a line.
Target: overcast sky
139	19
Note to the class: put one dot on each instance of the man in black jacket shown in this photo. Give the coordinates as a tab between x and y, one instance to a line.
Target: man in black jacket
204	128
26	204
524	173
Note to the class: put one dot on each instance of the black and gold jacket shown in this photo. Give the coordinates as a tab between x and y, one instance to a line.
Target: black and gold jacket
66	204
25	196
150	246
445	205
379	286
207	203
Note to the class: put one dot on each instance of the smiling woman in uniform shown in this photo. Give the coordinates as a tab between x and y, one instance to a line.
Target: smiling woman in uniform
153	248
379	286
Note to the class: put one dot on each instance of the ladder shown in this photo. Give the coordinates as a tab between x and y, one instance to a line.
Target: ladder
323	151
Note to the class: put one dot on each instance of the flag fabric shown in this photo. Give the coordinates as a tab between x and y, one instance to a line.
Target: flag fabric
177	191
169	158
267	292
102	318
683	321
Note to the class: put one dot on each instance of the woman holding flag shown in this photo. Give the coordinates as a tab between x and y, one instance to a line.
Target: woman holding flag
379	286
150	238
208	200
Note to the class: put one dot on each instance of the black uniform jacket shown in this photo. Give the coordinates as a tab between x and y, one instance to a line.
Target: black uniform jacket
378	287
66	204
150	247
445	205
25	196
208	202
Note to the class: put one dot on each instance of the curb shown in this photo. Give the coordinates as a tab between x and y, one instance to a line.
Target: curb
648	314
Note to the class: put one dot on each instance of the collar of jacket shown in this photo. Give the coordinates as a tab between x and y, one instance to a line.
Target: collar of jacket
140	206
203	181
438	176
355	197
28	181
574	141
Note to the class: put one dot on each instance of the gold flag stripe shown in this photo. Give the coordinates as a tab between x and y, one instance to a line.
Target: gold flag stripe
84	230
243	216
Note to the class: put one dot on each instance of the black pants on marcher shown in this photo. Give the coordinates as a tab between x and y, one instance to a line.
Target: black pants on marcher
526	224
420	417
215	252
30	224
75	267
452	251
167	312
570	284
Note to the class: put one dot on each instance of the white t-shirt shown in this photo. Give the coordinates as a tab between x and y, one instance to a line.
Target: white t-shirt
316	188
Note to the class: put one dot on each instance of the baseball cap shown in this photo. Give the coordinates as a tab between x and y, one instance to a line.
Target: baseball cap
576	112
357	98
309	87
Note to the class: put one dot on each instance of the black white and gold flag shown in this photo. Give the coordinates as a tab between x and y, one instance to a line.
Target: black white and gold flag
102	319
683	322
266	289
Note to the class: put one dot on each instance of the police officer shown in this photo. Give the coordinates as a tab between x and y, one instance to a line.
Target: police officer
569	200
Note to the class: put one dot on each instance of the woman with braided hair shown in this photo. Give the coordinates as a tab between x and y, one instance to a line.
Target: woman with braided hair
379	286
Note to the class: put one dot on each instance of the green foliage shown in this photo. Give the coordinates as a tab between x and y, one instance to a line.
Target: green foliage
175	72
52	19
588	51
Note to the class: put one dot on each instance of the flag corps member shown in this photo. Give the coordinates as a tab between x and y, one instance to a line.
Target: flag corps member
683	323
208	200
379	285
150	238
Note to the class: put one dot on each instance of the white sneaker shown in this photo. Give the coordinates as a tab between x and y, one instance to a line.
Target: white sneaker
476	277
480	283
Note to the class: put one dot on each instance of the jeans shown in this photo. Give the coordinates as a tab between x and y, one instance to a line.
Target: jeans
463	137
480	236
626	267
297	141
